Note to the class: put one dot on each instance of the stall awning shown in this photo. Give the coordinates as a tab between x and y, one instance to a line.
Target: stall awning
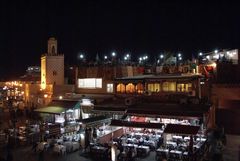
58	106
136	124
68	104
93	121
50	110
164	113
181	129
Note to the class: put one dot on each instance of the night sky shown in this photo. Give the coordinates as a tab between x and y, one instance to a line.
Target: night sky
102	27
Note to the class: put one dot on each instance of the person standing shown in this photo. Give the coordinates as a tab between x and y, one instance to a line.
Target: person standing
9	153
41	155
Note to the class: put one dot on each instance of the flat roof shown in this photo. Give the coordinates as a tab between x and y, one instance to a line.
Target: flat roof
153	109
136	124
181	129
161	76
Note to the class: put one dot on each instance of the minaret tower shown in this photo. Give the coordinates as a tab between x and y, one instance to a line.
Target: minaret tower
52	65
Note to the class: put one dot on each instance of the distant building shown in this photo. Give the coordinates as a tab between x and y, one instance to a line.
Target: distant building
223	66
32	75
52	66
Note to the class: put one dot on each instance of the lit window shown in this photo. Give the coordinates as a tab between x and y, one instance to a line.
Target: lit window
184	87
110	88
154	87
121	88
130	88
139	88
169	86
90	83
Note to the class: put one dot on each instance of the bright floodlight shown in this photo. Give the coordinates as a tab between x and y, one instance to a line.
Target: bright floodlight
161	56
146	57
125	58
179	55
81	56
200	54
105	57
113	54
215	51
180	58
127	55
140	59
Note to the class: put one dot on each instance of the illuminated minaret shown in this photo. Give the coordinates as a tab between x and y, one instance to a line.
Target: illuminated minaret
52	66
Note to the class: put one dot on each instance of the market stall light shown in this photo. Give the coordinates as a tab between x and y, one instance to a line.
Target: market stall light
45	95
86	102
214	65
200	54
60	97
216	56
216	51
70	110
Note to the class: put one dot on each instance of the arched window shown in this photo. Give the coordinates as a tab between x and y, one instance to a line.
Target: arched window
130	88
139	88
120	88
53	50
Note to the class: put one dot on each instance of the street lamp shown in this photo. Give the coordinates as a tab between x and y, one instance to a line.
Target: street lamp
113	54
105	57
161	56
200	54
81	56
216	51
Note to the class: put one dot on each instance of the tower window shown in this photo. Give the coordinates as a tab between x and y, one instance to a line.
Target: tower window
53	50
54	73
